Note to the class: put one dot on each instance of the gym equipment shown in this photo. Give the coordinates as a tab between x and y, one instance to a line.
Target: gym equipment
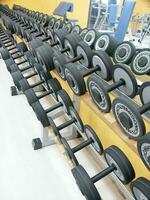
92	140
141	188
124	53
117	162
54	86
84	57
101	64
75	119
64	101
143	146
123	80
128	114
21	48
91	37
23	84
141	62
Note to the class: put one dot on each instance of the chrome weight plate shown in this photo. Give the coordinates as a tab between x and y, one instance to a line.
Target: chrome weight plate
141	62
128	117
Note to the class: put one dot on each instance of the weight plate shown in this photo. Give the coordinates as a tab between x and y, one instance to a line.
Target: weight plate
90	37
85	184
44	54
17	76
8	63
70	43
50	34
21	46
23	85
144	92
59	37
127	115
124	53
40	113
52	22
31	96
85	51
141	188
45	76
78	122
96	144
83	32
103	61
4	54
123	168
64	98
106	43
35	44
69	151
99	94
75	79
121	72
54	86
68	27
143	146
141	62
59	64
58	24
76	29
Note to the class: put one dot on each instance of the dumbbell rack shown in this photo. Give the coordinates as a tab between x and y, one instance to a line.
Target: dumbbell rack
104	124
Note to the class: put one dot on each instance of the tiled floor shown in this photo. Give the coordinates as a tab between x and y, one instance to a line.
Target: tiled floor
36	175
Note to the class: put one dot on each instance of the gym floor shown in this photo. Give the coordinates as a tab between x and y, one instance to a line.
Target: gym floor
37	175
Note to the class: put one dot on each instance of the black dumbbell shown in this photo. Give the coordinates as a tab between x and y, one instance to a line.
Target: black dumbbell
91	139
123	80
24	85
129	115
101	64
141	188
64	102
124	53
90	36
20	48
54	87
117	162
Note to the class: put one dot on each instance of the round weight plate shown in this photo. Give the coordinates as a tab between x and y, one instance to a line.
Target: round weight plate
106	43
141	62
83	32
8	63
85	183
23	85
35	44
124	53
17	76
64	98
124	170
59	37
44	54
69	151
58	24
130	87
68	27
128	117
85	51
103	61
141	189
50	34
143	146
70	44
31	96
52	22
90	37
75	79
54	86
78	122
144	92
40	113
76	29
4	54
99	94
96	144
21	46
59	64
14	68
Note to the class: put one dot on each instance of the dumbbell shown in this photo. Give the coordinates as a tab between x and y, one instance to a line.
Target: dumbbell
129	115
124	53
101	64
46	55
117	162
91	139
24	85
90	37
54	87
123	80
107	43
140	64
143	146
84	56
83	32
6	54
141	188
13	66
75	119
64	102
